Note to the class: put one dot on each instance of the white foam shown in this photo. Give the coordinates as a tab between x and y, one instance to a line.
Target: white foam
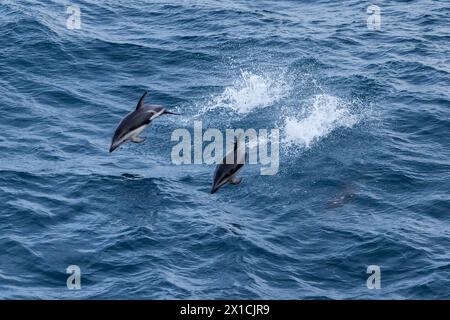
251	91
325	114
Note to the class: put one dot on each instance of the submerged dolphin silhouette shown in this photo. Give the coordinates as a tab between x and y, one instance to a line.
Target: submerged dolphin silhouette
342	198
226	173
135	122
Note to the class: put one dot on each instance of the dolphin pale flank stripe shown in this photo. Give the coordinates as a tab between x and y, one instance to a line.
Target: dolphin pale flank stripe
135	122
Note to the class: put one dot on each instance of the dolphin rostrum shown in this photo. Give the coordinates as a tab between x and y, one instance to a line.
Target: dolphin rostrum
135	122
226	172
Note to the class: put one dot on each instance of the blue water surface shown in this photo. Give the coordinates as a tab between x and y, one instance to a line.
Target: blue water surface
364	174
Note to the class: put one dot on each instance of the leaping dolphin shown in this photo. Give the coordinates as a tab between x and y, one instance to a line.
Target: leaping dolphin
226	173
135	122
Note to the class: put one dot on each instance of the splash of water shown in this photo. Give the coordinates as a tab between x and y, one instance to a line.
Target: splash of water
251	91
325	114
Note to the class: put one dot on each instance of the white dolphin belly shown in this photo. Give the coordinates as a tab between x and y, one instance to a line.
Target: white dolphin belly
130	135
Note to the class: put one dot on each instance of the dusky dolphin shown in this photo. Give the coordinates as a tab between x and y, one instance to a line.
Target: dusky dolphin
226	173
135	122
342	198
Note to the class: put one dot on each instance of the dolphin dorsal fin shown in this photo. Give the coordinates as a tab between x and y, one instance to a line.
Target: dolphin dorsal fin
141	101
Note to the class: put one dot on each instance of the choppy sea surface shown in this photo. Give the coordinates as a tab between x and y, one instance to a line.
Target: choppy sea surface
364	177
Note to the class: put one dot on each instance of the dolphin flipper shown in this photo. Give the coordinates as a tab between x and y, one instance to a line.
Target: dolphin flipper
235	180
137	139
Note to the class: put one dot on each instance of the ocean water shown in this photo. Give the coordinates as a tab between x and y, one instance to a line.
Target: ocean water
364	176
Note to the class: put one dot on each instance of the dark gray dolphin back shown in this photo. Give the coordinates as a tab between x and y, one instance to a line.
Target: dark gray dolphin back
224	172
131	122
136	119
140	116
